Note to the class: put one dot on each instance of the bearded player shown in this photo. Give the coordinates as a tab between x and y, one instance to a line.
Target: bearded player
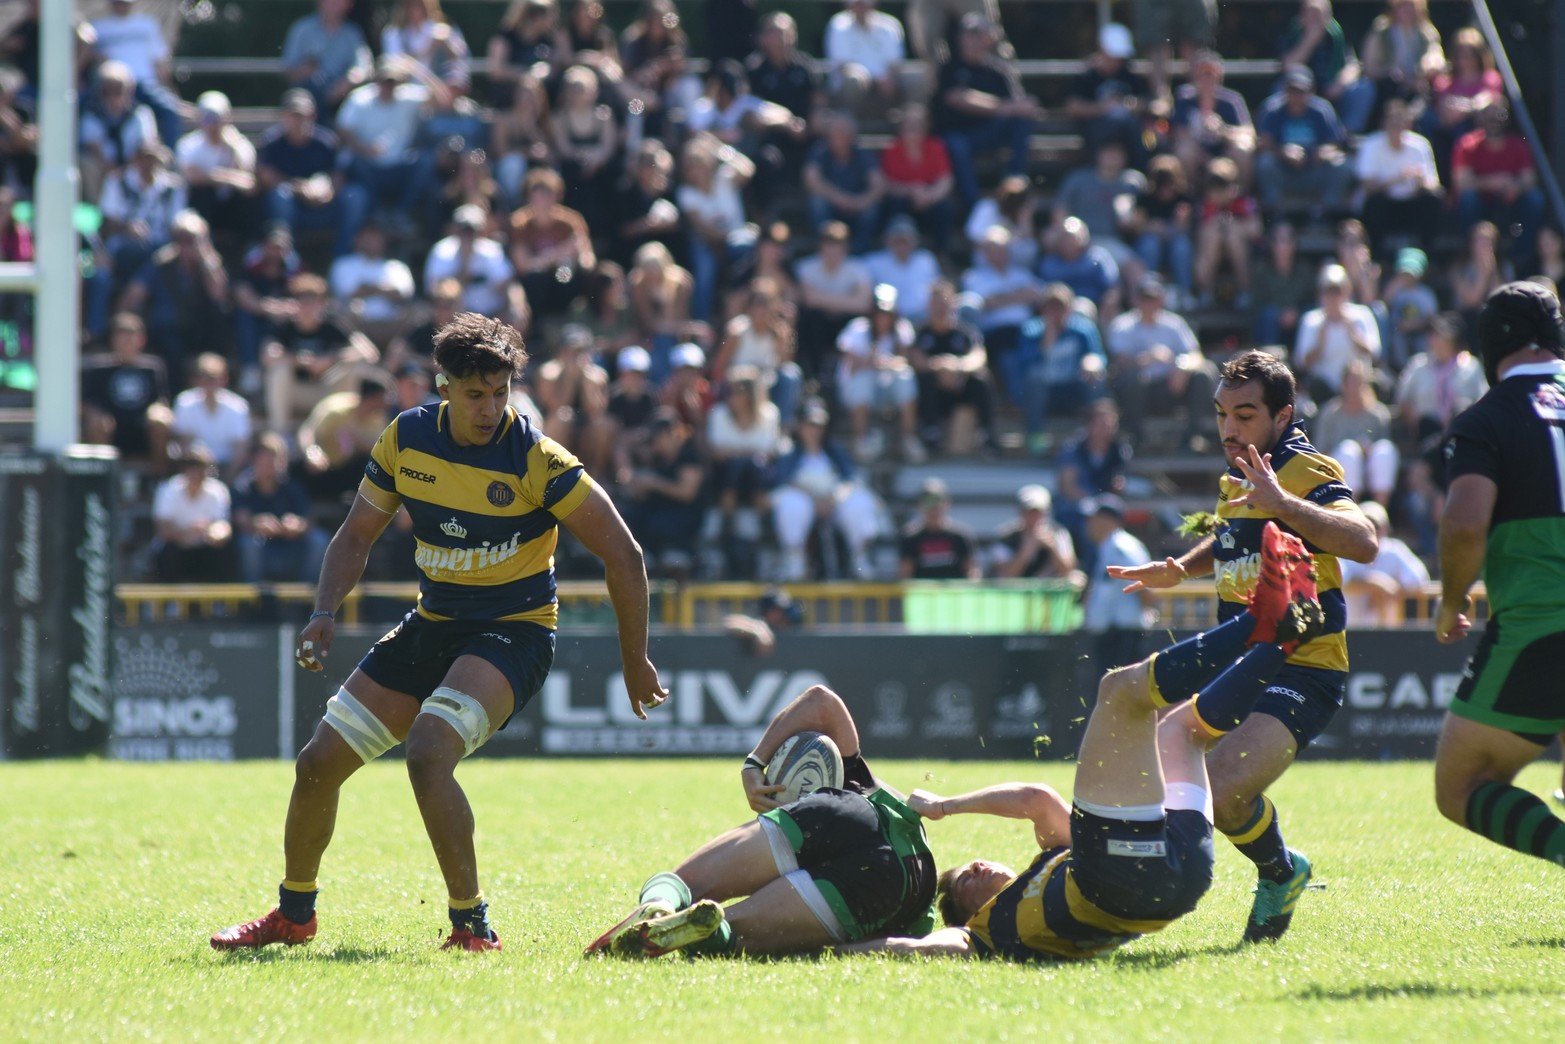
1133	852
1274	474
485	491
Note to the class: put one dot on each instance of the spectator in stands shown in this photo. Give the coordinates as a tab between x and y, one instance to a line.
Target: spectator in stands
744	436
907	266
833	288
1410	307
1161	224
18	137
1230	225
297	173
376	291
1103	196
218	164
1332	335
1439	383
277	543
772	261
844	181
735	117
183	292
138	205
1470	85
1063	367
820	506
337	437
935	547
573	394
1402	53
1496	179
865	52
1117	621
125	397
1088	269
980	106
211	415
661	495
1355	428
380	124
1006	294
1107	98
136	39
310	355
1032	546
1155	362
713	176
587	144
326	54
261	300
875	374
475	261
1352	251
113	125
1378	592
687	392
778	72
1397	175
730	28
1282	289
1314	40
1480	272
420	30
1166	26
1210	120
761	339
1300	147
1091	464
917	172
418	344
956	400
194	542
1013	206
660	296
652	54
521	48
415	387
521	137
604	308
631	402
646	211
1551	255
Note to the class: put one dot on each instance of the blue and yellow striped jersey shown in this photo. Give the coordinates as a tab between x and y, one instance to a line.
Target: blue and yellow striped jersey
1042	915
1313	476
484	517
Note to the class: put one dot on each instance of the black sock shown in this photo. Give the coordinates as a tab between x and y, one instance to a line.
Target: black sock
296	905
1518	820
475	919
1260	839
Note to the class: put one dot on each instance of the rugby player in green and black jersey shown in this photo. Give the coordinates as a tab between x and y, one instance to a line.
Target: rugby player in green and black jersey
1504	517
486	492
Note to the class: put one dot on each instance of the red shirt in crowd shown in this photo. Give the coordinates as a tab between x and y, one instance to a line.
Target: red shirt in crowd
932	164
1474	155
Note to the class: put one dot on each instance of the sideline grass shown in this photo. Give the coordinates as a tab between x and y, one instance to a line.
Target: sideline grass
117	873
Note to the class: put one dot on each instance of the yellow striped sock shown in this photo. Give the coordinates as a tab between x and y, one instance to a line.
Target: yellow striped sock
302	886
1153	690
1258	824
467	904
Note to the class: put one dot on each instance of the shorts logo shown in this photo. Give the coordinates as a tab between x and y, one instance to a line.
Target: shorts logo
1287	694
496	637
417	476
500	495
1138	849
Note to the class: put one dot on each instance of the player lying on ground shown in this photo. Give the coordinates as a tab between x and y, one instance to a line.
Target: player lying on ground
1134	852
485	491
830	868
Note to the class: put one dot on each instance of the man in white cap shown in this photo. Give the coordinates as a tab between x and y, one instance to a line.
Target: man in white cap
218	165
1108	98
477	261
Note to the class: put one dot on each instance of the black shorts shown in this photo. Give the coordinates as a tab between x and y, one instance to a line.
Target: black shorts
1142	871
1304	699
415	655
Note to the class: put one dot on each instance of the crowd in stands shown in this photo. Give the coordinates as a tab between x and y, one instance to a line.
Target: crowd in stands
743	309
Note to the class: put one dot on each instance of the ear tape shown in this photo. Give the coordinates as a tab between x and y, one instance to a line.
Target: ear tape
440	380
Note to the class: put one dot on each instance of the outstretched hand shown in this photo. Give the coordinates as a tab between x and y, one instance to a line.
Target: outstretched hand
1167	573
1265	492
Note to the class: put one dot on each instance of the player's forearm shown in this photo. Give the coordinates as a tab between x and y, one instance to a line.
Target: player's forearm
1199	559
1007	800
947	942
816	709
1461	559
340	570
625	574
1346	534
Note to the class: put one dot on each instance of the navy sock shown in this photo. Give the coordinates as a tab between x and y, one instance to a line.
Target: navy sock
475	919
1230	697
297	906
1260	839
1182	668
1518	820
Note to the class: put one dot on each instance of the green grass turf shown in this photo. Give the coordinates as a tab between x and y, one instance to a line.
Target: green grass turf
115	875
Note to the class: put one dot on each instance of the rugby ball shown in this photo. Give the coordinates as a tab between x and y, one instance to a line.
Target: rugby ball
803	764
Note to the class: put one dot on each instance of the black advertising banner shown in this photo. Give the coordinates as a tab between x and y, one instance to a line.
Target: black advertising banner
1399	687
86	531
29	595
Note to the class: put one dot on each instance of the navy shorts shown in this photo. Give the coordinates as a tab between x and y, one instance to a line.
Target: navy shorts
1304	700
415	655
1142	871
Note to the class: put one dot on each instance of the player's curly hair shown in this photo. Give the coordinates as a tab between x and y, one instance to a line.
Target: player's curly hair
945	900
1278	388
477	344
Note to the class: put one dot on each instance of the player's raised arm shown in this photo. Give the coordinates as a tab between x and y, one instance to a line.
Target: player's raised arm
340	572
1038	803
816	709
1336	526
601	530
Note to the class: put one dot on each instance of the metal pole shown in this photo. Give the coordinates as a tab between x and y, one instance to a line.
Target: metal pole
1557	100
57	304
1513	87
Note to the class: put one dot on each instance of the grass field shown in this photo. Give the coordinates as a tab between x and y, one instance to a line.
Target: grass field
117	873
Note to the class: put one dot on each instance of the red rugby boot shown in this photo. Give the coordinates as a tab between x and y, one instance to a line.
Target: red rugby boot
1284	603
466	939
273	928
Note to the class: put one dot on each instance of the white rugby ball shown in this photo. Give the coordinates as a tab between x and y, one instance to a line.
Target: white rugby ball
803	764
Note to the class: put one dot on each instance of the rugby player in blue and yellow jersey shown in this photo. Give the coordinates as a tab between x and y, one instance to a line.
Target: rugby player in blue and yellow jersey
485	491
1273	474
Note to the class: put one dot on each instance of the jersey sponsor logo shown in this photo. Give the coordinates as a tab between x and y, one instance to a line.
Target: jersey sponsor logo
1138	849
1238	574
500	495
454	528
416	476
466	559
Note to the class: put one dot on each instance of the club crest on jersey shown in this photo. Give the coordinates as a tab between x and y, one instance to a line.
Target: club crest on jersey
1548	401
500	495
453	528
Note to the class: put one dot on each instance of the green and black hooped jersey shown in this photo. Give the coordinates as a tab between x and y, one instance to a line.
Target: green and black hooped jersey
1515	435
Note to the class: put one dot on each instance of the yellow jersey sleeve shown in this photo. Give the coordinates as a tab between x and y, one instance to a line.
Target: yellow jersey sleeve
379	486
555	479
1317	478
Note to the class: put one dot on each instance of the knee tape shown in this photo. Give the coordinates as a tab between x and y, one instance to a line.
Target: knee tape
366	734
463	713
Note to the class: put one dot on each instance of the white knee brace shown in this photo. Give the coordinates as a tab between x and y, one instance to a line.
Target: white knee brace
463	713
366	734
